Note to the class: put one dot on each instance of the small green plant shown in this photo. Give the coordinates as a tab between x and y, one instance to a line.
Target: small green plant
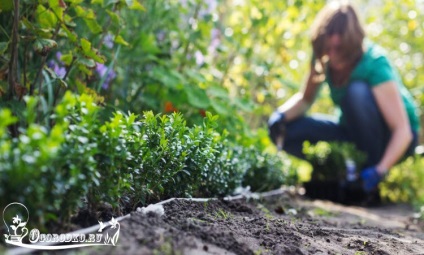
198	220
404	182
222	214
166	248
266	171
267	224
360	253
328	160
265	210
322	212
205	206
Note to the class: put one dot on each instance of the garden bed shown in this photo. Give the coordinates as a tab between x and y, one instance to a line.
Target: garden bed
282	224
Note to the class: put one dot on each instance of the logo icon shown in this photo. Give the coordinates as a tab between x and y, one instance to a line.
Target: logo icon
16	216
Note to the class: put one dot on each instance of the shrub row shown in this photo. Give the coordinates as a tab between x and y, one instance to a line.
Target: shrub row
127	161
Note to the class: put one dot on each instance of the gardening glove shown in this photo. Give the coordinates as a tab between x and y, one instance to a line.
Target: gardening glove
370	178
276	128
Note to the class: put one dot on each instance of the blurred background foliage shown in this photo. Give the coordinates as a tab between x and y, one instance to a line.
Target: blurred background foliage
238	59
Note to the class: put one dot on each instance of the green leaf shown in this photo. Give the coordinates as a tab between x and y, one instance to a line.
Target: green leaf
71	35
96	57
51	73
3	47
218	91
84	69
75	2
79	11
45	17
44	32
169	78
69	21
101	2
85	13
121	40
135	5
148	43
196	76
7	117
108	2
220	107
67	58
114	17
244	104
87	62
85	45
31	113
57	9
27	24
63	83
94	27
43	46
197	97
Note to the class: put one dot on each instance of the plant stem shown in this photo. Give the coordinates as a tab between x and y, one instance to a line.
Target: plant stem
64	78
13	64
106	28
24	68
44	58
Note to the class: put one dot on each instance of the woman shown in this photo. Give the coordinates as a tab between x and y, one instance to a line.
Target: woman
377	112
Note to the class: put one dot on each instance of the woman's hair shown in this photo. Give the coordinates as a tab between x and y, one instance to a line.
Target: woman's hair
341	19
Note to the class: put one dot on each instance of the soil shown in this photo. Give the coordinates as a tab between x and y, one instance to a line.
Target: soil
282	224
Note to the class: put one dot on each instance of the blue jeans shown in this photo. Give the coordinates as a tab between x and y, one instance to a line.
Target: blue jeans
365	127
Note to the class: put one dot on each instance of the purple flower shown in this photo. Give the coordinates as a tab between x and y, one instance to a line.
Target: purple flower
200	59
108	41
51	64
215	41
58	56
60	71
103	70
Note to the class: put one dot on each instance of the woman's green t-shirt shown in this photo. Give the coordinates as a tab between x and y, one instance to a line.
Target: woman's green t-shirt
374	68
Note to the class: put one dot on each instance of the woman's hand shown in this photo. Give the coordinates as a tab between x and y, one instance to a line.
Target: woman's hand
370	178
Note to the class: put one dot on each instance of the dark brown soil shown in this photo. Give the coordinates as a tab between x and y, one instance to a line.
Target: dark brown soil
278	225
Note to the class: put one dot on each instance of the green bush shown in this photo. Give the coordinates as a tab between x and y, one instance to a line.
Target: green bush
126	161
162	154
267	171
328	159
405	182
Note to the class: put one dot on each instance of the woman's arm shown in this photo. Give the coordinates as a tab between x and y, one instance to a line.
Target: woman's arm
390	104
295	107
299	103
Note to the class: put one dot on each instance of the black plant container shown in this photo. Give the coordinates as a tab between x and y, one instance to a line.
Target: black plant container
341	191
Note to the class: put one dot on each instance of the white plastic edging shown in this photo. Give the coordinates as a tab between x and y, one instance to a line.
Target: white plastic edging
20	250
